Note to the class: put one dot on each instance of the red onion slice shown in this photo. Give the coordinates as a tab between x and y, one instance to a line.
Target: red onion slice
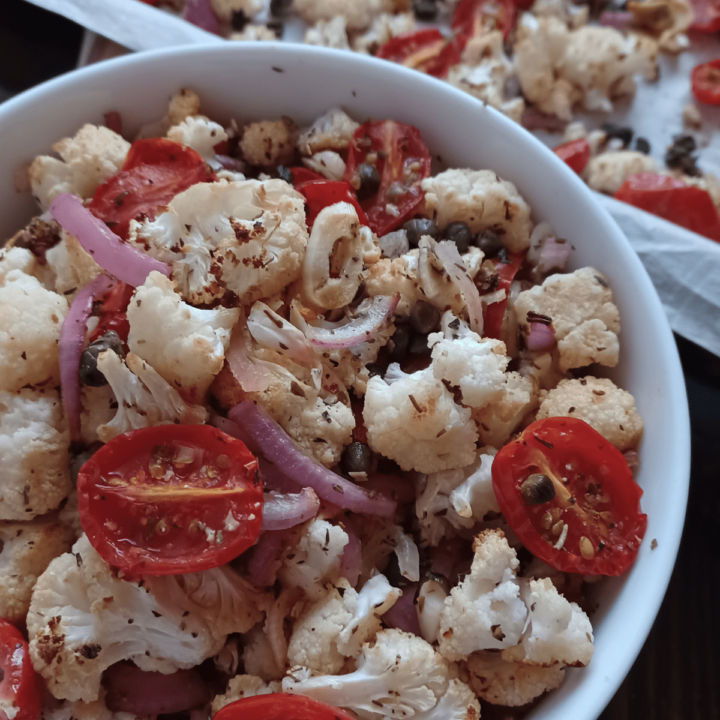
132	690
70	345
403	614
554	254
359	329
261	566
230	163
282	511
112	254
274	478
540	337
200	13
533	119
251	375
620	19
452	262
263	433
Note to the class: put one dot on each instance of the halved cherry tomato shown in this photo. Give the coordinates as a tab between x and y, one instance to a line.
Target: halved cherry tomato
402	161
705	82
302	175
20	689
279	706
507	265
154	171
569	496
170	499
321	193
473	18
707	15
425	50
575	154
670	198
113	312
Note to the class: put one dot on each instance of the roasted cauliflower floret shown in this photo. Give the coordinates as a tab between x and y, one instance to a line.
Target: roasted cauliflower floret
26	550
16	258
416	422
383	28
87	160
608	171
597	401
331	131
183	104
70	267
584	318
246	236
30	320
34	445
330	33
510	683
358	14
224	9
242	686
199	134
387	277
184	344
482	200
269	143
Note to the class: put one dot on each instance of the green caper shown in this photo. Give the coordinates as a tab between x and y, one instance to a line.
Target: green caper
399	341
417	227
537	489
489	242
459	233
424	317
356	457
369	179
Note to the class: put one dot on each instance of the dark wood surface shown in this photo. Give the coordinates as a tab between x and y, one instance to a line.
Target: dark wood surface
677	675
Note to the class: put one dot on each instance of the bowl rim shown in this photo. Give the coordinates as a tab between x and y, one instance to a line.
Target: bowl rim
283	52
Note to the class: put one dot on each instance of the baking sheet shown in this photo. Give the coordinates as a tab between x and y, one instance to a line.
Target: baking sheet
684	266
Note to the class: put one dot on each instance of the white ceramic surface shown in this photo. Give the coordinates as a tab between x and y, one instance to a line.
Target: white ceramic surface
267	80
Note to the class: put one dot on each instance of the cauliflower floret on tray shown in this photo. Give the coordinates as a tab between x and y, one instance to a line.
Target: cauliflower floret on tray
330	33
34	444
184	344
416	422
26	549
82	619
30	323
510	683
247	237
331	131
608	171
183	104
386	277
482	200
584	318
358	14
383	28
600	403
458	703
87	160
269	142
242	686
335	627
224	9
199	134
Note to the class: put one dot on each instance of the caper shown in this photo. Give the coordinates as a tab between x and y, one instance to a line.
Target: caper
356	458
238	20
369	179
400	341
459	233
284	174
89	373
425	10
277	26
374	369
489	242
417	227
419	346
537	489
278	7
424	317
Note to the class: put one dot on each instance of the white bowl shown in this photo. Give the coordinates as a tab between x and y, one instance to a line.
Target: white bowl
267	80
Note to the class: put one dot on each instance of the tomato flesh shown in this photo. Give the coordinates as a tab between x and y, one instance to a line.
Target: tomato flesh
473	18
705	82
707	15
19	684
506	267
113	312
425	50
154	172
320	194
575	154
671	199
593	524
170	499
402	161
279	706
302	175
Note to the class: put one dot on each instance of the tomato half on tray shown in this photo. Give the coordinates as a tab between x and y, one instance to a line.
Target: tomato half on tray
170	499
705	82
402	160
569	496
20	689
425	50
279	706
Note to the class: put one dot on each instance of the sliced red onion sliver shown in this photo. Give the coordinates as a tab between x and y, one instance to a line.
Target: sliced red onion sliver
282	510
359	329
274	443
112	254
540	337
252	376
230	163
200	13
403	614
554	254
619	19
260	567
452	262
533	119
136	691
274	478
70	345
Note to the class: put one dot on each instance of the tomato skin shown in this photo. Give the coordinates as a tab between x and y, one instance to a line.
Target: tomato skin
473	18
495	312
403	158
705	82
154	171
671	199
113	315
707	15
596	497
147	514
279	706
302	175
320	194
19	684
425	50
575	154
